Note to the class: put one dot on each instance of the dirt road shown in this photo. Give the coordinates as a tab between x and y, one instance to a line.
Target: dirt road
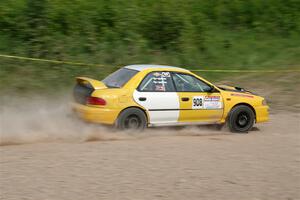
186	164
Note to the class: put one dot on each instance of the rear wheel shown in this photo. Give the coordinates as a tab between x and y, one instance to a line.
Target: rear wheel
131	119
241	119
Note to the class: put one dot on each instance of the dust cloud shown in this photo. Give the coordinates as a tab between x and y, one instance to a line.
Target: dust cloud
38	119
42	120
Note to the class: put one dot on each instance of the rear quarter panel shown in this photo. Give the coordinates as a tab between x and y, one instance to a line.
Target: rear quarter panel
117	99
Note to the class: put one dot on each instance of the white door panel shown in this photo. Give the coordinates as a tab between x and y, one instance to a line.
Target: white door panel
163	107
163	117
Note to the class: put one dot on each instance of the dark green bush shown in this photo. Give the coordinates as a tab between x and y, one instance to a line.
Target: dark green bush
190	33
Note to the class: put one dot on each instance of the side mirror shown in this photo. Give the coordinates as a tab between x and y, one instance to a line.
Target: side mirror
213	89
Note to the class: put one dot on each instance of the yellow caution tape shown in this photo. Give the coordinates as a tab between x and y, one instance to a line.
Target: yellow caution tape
244	71
50	61
194	70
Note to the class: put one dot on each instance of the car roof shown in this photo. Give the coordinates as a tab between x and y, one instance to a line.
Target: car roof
145	67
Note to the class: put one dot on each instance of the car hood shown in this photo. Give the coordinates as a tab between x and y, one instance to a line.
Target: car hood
234	89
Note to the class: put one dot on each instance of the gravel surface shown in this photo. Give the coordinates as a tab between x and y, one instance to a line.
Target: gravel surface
193	163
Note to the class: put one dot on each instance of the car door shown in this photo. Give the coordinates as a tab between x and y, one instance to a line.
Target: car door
198	102
156	93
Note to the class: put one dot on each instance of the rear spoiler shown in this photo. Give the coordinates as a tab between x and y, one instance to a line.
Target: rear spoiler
89	82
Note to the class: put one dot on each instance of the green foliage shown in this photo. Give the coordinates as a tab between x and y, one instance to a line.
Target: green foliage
189	33
162	31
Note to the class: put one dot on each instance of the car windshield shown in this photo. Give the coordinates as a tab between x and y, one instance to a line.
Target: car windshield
188	83
119	78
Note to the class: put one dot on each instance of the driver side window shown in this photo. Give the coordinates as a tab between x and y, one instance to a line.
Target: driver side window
189	83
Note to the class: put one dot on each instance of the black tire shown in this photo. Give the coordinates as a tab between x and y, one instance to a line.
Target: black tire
241	119
132	119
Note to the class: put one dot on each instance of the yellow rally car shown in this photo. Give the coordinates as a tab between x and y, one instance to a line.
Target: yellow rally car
139	96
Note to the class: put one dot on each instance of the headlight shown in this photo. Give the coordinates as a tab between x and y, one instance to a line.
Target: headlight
264	102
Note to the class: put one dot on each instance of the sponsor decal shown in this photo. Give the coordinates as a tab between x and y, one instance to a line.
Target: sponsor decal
166	74
160	79
212	105
162	74
160	82
212	98
156	74
207	102
242	95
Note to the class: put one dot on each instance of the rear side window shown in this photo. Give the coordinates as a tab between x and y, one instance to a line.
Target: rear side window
189	83
119	78
157	82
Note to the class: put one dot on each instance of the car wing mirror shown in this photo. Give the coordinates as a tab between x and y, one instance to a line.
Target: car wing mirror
213	89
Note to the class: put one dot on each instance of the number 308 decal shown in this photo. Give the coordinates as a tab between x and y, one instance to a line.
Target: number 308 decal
197	102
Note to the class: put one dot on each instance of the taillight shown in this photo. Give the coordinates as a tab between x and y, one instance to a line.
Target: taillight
96	101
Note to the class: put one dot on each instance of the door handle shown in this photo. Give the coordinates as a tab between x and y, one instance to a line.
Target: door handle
142	98
185	98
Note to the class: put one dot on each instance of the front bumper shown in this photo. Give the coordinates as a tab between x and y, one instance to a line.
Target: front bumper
95	114
262	113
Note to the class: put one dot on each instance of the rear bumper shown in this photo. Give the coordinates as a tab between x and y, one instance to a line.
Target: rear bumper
94	114
262	113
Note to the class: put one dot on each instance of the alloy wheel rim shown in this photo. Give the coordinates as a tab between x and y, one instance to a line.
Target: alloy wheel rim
132	122
243	120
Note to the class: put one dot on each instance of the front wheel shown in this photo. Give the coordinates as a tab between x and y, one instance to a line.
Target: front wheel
131	119
241	119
